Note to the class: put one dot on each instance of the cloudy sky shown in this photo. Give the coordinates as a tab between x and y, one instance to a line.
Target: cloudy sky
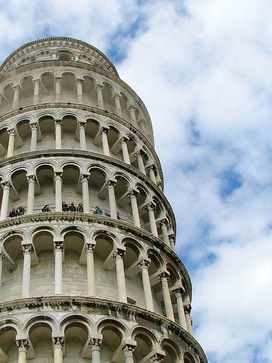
204	70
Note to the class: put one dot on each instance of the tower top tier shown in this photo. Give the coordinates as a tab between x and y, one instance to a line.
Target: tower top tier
61	49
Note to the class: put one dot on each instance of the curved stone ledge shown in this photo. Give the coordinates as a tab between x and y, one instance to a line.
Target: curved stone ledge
88	305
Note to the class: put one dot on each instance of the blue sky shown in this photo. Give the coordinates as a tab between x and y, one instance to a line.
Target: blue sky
203	69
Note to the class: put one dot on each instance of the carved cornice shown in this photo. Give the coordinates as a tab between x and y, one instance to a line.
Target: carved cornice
99	306
57	43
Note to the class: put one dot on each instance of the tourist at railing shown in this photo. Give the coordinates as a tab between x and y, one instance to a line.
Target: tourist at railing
17	212
46	208
98	211
65	207
72	207
80	207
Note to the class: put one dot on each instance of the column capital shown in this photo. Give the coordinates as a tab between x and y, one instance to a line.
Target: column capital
172	238
129	348
119	252
133	193
36	80
164	275
33	125
151	206
6	184
82	124
111	183
58	342
58	245
58	174
179	291
11	132
124	139
144	263
27	248
164	222
96	341
22	344
157	357
152	167
116	95
58	122
99	86
132	107
16	86
31	178
104	130
90	246
84	177
2	256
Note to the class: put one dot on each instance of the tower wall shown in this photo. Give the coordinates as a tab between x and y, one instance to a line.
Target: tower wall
88	268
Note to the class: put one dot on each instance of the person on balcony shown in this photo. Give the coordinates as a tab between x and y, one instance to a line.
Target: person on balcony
72	207
98	211
80	207
46	208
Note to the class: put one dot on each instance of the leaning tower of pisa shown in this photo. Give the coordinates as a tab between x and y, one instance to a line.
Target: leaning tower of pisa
88	269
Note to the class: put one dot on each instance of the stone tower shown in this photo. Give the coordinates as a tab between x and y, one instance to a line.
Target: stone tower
88	267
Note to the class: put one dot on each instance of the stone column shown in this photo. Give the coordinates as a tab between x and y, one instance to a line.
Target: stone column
27	251
172	242
166	295
82	135
165	232
128	352
58	267
22	345
112	199
57	88
58	191
182	319
187	310
146	284
79	90
105	143
34	136
132	110
30	194
2	257
134	209
152	220
100	101
152	175
36	91
125	153
95	344
140	162
16	96
85	193
90	268
58	124
5	199
116	97
58	343
120	274
11	142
